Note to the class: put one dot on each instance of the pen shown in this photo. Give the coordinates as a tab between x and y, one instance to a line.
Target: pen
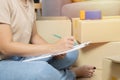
58	36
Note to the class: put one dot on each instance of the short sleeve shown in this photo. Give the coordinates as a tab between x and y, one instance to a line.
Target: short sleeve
4	11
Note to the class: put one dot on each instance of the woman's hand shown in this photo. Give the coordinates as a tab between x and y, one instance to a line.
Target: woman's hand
64	44
61	56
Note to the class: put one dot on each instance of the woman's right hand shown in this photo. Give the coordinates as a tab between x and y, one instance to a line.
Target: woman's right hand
64	44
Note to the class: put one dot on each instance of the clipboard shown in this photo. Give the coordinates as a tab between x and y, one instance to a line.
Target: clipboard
76	47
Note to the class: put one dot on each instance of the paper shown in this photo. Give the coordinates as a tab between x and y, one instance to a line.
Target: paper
79	46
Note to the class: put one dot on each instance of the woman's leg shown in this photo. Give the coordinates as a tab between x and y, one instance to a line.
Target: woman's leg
15	70
37	70
66	62
83	71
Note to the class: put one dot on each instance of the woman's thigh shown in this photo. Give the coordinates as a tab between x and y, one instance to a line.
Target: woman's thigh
37	70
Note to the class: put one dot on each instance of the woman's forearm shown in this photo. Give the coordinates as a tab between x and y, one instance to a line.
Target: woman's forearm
20	49
10	47
36	39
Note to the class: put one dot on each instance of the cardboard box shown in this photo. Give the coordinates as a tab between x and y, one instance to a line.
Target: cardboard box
104	30
94	54
48	26
111	68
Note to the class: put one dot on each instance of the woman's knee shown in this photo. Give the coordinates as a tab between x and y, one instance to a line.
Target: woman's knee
72	57
65	62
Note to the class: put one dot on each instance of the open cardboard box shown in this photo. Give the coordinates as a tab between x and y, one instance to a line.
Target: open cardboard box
111	68
48	26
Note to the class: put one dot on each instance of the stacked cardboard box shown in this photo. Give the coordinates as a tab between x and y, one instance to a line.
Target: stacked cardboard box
105	41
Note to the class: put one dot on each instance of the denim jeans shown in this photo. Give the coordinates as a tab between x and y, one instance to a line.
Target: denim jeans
39	70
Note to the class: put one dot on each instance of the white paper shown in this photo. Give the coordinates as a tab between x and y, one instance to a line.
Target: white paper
79	46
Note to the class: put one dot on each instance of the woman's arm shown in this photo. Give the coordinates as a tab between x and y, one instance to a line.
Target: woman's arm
36	38
9	47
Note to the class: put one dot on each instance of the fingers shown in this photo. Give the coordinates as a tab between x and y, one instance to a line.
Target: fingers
65	44
70	42
61	56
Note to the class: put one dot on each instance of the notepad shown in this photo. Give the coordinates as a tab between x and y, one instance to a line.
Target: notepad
76	47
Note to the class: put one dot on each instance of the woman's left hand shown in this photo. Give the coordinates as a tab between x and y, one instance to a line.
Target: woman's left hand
61	56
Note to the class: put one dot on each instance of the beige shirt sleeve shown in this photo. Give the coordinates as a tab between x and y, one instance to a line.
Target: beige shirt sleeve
4	12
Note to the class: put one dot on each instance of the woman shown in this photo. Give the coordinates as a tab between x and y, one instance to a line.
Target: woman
19	39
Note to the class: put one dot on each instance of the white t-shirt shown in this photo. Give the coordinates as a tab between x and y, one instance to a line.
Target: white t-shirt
20	17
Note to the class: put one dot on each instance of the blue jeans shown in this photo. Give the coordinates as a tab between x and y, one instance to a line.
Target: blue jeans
39	70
